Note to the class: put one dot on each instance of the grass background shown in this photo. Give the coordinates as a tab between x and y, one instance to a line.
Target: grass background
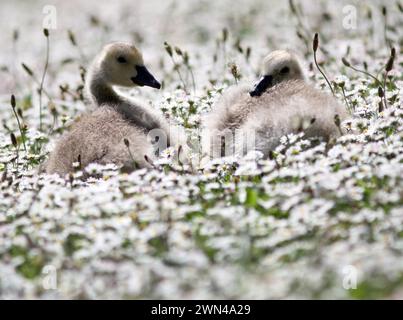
315	221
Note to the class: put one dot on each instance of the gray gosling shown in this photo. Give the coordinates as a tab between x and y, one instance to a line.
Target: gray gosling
282	102
118	124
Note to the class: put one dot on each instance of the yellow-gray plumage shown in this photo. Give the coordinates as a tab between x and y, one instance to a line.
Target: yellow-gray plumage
279	104
99	136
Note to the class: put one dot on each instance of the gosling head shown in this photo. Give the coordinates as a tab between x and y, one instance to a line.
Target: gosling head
278	66
122	64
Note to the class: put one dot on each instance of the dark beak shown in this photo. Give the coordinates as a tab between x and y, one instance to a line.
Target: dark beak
145	78
264	83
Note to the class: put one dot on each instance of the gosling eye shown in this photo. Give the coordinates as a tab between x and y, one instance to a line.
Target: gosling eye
121	59
285	70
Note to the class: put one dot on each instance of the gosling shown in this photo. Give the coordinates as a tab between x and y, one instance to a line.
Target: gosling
116	132
282	102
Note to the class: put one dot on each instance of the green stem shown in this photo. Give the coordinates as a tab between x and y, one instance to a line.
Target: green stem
42	82
345	99
131	155
193	78
176	67
367	73
384	89
20	129
323	74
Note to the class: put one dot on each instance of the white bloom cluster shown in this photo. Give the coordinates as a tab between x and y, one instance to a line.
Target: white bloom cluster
282	227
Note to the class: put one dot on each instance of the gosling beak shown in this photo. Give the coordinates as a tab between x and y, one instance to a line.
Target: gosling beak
145	78
264	83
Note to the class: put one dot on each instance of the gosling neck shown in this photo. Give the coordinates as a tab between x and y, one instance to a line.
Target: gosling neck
99	90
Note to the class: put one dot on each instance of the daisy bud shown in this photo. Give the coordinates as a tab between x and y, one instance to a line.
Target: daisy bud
168	48
13	139
12	101
315	44
345	62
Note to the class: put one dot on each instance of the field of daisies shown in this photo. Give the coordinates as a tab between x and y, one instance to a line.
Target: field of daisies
314	221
